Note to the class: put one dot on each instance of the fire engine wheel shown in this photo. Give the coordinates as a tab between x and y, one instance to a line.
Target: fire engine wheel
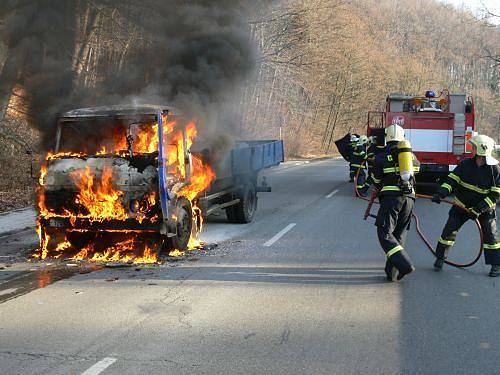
244	211
184	213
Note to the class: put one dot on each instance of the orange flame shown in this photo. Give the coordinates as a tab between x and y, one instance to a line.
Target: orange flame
201	178
125	251
100	199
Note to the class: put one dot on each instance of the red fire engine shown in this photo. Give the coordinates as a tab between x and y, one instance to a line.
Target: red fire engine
438	128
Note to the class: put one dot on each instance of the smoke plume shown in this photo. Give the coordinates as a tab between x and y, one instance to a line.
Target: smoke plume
192	55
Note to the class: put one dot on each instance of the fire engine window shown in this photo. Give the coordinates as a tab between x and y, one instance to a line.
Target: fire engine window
396	106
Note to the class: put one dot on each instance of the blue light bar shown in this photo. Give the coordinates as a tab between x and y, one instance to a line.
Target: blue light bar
430	94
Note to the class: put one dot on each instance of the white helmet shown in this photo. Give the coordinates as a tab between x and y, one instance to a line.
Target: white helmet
354	138
484	146
363	140
394	133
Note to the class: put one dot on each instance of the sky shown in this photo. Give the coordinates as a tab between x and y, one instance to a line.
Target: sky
476	5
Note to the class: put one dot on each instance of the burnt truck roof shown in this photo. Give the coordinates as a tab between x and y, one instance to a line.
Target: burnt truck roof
117	111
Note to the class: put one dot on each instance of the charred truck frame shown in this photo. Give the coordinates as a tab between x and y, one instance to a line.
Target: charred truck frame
150	188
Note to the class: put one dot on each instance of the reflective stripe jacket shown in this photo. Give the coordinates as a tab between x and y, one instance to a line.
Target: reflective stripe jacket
357	155
477	188
385	172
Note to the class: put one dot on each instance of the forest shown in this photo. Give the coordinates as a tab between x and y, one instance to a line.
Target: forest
306	71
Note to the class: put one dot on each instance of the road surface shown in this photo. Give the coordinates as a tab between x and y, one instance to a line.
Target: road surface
301	290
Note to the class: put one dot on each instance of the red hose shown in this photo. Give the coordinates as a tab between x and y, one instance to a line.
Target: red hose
419	229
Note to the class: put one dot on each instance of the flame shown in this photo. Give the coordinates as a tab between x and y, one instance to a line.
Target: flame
147	140
176	253
201	178
194	241
98	200
124	251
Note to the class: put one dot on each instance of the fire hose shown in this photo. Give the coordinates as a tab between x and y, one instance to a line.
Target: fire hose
420	232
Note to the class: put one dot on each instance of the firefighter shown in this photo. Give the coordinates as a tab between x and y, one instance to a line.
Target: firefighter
351	149
373	150
476	185
393	176
357	158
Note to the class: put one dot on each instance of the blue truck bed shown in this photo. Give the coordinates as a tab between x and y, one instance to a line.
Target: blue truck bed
243	162
252	156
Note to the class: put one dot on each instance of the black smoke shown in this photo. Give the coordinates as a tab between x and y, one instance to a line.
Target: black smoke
193	55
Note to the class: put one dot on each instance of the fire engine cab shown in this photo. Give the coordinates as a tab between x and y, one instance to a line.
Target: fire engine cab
438	128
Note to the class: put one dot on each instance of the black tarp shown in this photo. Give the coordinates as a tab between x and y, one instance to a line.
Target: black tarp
343	145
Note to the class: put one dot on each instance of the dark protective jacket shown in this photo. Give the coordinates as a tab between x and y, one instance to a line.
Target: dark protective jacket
385	172
374	150
357	155
477	188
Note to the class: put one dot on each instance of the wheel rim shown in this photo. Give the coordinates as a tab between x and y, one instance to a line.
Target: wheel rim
184	226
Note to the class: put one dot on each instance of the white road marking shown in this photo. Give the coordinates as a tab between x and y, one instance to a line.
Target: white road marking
100	366
332	193
280	234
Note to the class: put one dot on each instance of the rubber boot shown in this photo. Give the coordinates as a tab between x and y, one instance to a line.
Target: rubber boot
438	264
390	271
402	262
495	270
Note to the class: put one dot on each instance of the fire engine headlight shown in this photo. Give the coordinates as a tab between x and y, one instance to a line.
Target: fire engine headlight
135	205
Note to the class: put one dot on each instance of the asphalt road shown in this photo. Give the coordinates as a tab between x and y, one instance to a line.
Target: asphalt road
301	290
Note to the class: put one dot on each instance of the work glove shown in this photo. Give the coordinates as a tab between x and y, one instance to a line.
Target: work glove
436	198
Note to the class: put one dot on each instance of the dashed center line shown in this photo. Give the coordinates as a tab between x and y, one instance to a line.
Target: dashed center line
332	193
100	366
280	234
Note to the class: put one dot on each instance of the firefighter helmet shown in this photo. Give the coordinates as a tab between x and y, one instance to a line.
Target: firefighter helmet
354	138
394	133
484	146
363	139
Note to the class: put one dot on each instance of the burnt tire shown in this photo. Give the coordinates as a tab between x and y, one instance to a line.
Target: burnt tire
244	211
184	225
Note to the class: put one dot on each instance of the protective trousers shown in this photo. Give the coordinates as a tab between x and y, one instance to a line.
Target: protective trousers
361	182
393	223
456	219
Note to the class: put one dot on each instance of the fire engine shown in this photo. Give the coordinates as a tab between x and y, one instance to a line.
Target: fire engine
438	127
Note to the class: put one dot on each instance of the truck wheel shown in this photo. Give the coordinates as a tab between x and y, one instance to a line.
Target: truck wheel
184	213
244	211
231	217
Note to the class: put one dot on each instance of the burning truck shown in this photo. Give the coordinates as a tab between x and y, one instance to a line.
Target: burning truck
123	184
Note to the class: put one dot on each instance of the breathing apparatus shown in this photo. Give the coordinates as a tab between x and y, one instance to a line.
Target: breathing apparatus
405	162
396	133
